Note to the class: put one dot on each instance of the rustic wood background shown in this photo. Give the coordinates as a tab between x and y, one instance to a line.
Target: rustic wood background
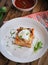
12	12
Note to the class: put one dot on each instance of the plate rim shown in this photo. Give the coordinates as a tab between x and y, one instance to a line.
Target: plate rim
22	18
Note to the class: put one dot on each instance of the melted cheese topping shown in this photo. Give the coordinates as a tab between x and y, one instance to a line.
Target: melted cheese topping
24	34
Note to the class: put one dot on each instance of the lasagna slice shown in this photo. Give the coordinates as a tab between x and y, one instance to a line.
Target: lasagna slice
24	37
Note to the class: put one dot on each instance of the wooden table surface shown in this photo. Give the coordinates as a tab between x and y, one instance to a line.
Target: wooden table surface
12	12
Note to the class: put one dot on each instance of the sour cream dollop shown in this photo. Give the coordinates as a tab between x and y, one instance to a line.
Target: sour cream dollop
24	34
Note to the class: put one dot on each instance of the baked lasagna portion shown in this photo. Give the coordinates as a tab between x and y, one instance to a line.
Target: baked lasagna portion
24	37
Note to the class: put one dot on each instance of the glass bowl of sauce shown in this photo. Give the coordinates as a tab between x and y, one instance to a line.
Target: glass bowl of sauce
24	5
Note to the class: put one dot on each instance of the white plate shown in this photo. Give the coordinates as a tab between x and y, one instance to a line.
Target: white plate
23	54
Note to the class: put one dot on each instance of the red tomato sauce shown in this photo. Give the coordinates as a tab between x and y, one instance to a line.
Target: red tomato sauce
24	3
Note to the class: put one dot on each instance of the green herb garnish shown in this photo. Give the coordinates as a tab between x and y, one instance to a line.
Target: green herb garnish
38	45
19	46
12	33
3	9
7	41
15	49
27	33
20	36
7	45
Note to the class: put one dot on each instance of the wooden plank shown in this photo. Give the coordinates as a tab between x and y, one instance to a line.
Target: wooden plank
44	6
46	61
43	59
2	2
37	7
21	64
3	60
28	64
8	15
26	13
18	63
11	63
13	13
8	4
35	62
